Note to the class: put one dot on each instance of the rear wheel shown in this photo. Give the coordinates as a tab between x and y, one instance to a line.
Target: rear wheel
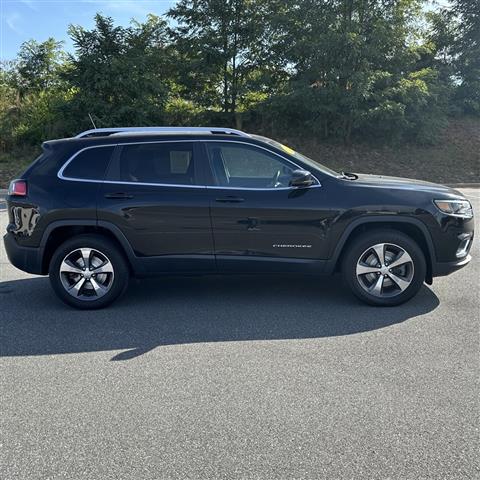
384	267
88	272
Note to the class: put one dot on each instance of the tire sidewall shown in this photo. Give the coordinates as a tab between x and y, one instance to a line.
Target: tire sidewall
367	240
104	246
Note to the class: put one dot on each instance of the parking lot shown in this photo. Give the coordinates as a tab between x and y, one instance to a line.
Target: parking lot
240	377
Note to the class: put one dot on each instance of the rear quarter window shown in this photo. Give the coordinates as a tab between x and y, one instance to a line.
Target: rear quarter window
161	163
89	164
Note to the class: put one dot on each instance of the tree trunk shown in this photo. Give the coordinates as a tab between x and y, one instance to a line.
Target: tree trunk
238	120
225	87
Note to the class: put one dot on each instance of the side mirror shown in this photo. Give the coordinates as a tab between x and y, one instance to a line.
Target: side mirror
302	178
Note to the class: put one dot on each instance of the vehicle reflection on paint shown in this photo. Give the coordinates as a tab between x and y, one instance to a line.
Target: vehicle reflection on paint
25	220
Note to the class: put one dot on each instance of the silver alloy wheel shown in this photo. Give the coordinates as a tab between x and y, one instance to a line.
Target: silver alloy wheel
385	270
86	274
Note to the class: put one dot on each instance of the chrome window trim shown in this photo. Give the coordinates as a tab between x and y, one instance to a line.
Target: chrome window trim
210	187
273	189
67	163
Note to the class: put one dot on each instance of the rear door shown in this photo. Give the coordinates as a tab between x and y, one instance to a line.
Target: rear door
155	194
260	222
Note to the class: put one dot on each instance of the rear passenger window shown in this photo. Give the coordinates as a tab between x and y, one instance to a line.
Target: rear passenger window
164	163
89	164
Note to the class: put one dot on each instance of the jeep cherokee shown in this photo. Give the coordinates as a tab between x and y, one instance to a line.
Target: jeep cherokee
96	209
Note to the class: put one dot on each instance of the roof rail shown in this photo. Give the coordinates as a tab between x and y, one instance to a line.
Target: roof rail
125	130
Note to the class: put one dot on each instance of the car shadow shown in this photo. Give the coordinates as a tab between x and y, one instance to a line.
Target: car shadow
171	311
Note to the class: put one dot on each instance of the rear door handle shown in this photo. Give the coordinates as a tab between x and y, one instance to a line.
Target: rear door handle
119	195
230	199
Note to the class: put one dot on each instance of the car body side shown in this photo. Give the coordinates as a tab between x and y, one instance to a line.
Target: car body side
320	221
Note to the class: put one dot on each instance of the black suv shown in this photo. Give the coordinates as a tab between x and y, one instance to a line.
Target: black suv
110	203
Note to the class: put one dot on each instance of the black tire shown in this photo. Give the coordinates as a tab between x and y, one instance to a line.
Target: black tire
116	282
360	248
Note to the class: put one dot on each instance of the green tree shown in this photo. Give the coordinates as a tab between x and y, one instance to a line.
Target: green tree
348	57
117	72
31	91
466	47
39	65
222	48
9	101
344	69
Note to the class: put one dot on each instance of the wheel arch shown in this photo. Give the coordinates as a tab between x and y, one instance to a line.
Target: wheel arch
58	232
412	227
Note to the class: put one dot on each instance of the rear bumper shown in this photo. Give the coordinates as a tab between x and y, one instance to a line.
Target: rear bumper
440	269
27	259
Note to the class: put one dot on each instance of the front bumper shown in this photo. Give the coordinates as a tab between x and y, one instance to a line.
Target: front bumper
440	269
28	259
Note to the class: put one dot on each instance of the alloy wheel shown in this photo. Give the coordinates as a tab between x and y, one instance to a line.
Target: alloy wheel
86	274
385	270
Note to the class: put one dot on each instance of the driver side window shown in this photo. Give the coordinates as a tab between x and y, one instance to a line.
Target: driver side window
245	166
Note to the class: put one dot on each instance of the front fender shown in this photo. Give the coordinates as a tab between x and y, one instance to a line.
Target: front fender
378	220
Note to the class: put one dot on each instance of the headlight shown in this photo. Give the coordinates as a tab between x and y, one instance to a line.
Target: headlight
456	208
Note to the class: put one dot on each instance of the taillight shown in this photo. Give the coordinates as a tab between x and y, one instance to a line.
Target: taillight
18	188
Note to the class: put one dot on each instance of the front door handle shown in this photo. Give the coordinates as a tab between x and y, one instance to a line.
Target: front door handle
230	199
119	196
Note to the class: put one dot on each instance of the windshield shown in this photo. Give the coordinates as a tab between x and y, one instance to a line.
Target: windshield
299	156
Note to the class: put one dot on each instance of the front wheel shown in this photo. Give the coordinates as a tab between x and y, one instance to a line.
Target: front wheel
384	267
88	272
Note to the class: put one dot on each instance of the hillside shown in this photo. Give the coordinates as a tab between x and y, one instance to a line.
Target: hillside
455	159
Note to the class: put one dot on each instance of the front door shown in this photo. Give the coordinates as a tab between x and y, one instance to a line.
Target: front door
260	222
154	194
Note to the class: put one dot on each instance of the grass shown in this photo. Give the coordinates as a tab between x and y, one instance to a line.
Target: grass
455	159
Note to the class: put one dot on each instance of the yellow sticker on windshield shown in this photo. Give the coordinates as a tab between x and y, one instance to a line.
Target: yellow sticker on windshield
289	150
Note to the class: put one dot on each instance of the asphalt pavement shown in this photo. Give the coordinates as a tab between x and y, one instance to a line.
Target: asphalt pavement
240	378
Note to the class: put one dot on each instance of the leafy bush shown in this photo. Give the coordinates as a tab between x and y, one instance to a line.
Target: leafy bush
376	71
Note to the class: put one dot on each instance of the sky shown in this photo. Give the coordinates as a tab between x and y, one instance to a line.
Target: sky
21	20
